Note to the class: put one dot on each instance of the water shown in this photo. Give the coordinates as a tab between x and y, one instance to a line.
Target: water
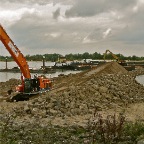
35	64
5	76
140	79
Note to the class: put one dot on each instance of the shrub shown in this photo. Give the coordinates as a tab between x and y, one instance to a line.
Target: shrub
106	130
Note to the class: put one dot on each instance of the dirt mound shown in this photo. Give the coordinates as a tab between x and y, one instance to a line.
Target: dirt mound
64	82
108	68
76	96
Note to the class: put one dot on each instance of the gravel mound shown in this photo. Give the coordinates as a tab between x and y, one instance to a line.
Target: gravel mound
108	68
75	97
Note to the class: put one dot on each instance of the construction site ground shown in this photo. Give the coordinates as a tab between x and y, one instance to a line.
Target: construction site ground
107	89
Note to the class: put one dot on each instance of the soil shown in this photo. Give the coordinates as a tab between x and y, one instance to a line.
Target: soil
108	89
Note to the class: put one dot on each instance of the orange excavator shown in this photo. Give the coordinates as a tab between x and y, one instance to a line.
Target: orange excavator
29	85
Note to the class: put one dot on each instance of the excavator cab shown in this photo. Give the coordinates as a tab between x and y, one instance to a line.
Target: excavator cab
27	85
31	85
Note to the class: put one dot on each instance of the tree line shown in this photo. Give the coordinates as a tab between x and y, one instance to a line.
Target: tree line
54	57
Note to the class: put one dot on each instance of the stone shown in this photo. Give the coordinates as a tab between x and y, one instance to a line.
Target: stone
52	112
27	109
103	89
141	141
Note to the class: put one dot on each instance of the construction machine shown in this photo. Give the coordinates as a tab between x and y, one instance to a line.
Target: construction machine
28	85
121	62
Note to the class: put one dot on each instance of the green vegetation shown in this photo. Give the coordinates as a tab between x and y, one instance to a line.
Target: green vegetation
86	55
110	130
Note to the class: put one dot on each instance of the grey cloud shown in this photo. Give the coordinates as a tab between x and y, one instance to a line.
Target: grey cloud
28	34
130	36
63	1
136	18
92	7
96	34
56	14
133	32
41	2
36	32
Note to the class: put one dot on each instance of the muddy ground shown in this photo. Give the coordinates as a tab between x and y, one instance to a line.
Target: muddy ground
74	98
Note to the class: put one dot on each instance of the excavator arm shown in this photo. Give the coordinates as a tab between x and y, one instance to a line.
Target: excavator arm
113	55
29	85
121	62
15	53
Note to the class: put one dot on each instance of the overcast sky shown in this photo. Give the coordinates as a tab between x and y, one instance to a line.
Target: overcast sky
74	26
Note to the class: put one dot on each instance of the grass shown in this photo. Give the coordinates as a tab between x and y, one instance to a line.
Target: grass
99	130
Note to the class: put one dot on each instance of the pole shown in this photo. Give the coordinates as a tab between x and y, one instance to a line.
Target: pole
6	63
43	61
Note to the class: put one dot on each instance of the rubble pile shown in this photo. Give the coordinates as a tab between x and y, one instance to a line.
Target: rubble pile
76	97
108	68
6	86
99	93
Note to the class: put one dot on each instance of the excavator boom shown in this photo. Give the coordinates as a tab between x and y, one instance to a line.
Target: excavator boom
121	62
113	55
15	53
29	85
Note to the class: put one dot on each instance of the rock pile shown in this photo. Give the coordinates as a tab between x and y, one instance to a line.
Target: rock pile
101	89
108	68
7	86
99	93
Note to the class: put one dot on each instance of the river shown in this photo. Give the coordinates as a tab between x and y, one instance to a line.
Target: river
5	76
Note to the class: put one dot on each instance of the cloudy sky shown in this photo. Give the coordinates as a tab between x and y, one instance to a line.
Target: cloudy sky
74	26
